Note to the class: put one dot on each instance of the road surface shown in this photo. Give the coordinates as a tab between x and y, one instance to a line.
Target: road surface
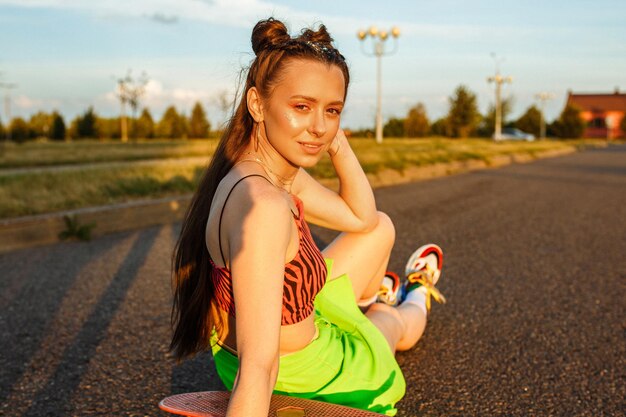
534	274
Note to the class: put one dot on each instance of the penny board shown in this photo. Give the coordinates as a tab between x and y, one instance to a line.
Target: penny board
215	403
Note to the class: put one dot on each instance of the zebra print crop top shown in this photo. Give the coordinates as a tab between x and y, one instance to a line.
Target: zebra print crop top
304	277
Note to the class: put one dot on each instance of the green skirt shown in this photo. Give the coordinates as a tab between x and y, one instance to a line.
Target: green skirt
348	363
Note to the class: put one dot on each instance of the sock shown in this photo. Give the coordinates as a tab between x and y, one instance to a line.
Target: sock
367	302
418	298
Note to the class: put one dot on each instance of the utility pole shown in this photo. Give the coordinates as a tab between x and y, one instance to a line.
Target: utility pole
7	105
543	97
379	38
498	80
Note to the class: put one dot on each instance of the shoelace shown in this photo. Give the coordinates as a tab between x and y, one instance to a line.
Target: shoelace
425	278
387	296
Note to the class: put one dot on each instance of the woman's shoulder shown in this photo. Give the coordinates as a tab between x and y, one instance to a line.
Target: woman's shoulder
253	193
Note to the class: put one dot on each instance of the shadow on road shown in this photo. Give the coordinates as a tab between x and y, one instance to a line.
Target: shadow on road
57	393
23	325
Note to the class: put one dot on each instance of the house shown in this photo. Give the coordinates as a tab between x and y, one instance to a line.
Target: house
603	113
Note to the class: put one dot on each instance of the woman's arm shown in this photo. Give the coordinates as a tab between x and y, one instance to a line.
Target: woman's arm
353	208
256	249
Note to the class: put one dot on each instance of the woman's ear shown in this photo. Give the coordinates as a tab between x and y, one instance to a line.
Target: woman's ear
255	104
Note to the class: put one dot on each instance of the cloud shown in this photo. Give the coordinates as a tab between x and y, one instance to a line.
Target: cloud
164	19
27	103
244	13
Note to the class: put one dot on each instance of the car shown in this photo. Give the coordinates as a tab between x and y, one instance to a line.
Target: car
511	133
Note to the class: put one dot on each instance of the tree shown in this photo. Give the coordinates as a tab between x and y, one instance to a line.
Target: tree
530	121
109	128
130	91
172	125
488	123
40	124
145	125
363	133
1	130
416	123
20	132
198	124
622	126
394	128
569	124
440	127
87	125
57	130
463	116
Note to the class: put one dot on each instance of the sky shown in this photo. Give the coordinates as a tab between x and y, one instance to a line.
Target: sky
66	55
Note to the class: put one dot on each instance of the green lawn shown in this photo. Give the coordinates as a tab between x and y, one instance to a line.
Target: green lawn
31	154
43	192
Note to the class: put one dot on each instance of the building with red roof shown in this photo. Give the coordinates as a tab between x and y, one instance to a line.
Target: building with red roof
603	113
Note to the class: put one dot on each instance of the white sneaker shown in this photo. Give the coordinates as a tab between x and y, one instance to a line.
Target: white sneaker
423	270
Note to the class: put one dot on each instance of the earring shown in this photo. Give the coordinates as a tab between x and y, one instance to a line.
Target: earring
258	133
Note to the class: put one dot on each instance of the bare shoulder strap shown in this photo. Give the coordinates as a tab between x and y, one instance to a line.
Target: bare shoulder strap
219	226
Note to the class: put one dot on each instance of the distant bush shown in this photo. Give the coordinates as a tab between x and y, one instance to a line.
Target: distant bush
569	125
463	115
19	130
530	121
144	126
199	126
394	128
439	127
416	123
85	126
172	125
57	131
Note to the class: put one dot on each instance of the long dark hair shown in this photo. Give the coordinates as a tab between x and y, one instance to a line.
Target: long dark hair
193	289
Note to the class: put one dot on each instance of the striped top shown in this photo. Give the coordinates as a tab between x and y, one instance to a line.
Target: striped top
304	278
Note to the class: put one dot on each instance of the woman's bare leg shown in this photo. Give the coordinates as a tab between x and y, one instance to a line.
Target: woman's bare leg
364	257
402	326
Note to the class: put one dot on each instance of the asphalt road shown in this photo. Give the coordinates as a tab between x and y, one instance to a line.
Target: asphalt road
534	274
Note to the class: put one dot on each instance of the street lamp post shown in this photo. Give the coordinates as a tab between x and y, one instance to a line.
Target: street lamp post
378	44
543	97
498	80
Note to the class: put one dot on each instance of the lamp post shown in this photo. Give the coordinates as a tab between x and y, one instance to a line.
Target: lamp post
543	97
498	80
379	37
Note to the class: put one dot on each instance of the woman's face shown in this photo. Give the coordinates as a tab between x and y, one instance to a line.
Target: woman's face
302	115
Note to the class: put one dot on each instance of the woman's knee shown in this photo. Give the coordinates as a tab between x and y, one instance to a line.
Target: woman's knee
385	229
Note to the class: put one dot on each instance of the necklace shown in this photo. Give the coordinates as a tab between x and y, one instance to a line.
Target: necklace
285	182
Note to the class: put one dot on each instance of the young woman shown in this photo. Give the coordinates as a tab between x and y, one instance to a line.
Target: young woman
250	283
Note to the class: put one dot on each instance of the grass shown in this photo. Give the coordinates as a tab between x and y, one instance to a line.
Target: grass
400	154
36	193
38	154
42	193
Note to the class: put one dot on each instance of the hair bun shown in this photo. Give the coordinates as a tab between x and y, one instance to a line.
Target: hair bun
320	36
267	34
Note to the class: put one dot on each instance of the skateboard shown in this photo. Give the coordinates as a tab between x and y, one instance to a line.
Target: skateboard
214	404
